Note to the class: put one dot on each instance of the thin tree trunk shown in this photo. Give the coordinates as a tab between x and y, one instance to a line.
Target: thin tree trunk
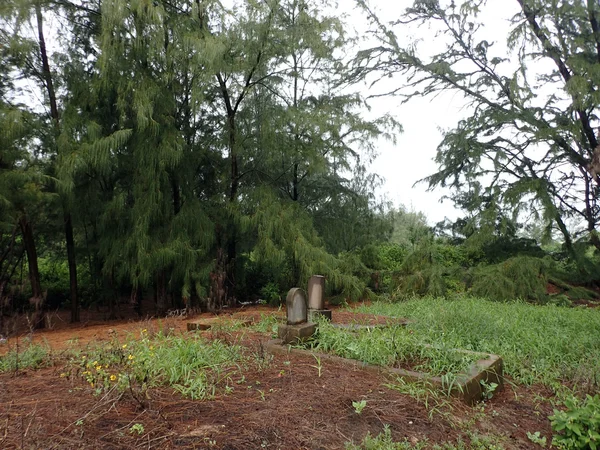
161	293
37	298
48	83
32	259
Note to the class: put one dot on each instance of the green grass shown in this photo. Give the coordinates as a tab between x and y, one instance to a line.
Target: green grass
191	365
393	346
384	441
32	356
539	344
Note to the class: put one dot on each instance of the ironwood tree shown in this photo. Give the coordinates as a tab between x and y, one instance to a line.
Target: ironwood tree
530	145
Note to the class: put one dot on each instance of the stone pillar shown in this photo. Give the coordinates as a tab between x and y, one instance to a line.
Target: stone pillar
316	290
316	301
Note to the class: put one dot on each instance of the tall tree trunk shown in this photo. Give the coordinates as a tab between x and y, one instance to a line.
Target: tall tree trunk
161	293
37	298
48	83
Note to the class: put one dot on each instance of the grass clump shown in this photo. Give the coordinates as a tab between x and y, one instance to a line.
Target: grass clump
191	365
33	356
393	346
546	344
384	441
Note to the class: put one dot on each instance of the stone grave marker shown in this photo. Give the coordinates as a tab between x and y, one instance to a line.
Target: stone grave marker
297	328
316	301
295	304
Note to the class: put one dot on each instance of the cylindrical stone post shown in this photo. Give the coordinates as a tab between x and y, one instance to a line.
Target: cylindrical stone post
316	291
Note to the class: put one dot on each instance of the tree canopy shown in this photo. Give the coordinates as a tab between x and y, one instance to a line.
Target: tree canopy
530	146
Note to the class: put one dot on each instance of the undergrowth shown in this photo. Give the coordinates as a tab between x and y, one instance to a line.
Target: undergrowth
393	346
539	344
31	356
191	365
384	441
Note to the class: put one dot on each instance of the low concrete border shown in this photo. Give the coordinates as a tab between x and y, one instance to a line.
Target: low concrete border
466	386
207	324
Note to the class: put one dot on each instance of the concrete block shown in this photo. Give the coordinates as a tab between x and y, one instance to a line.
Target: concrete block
291	334
314	313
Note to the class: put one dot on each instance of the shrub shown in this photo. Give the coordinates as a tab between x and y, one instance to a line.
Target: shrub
523	277
577	427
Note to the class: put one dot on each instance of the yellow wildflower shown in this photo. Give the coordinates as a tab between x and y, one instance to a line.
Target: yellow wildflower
144	330
130	357
151	348
98	367
95	363
62	375
113	377
124	345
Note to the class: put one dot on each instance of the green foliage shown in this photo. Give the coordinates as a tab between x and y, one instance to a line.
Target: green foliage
538	344
393	346
359	406
32	356
578	426
271	293
192	366
536	438
529	146
520	277
175	123
383	441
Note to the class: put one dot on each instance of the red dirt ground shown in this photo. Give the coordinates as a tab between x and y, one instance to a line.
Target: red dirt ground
281	403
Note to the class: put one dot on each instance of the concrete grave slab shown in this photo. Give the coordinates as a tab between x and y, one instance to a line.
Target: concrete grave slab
467	386
208	323
313	314
295	334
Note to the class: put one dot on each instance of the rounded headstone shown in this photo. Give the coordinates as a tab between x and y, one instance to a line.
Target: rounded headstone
295	303
316	290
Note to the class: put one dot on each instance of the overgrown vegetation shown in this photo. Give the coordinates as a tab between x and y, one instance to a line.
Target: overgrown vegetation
384	441
25	356
192	365
578	426
539	344
393	346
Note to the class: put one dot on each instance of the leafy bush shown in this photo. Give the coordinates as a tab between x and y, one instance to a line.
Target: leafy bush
578	427
523	277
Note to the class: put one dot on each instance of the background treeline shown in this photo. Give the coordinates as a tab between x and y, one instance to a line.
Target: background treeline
201	156
179	150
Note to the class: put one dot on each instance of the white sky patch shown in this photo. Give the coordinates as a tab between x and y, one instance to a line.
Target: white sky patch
423	119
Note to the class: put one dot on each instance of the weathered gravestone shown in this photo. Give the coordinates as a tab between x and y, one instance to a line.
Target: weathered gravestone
297	327
316	301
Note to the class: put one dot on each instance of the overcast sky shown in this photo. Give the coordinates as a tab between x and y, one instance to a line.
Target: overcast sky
411	159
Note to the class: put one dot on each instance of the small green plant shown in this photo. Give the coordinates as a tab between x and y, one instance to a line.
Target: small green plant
319	367
578	426
359	406
137	428
537	438
488	389
384	441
